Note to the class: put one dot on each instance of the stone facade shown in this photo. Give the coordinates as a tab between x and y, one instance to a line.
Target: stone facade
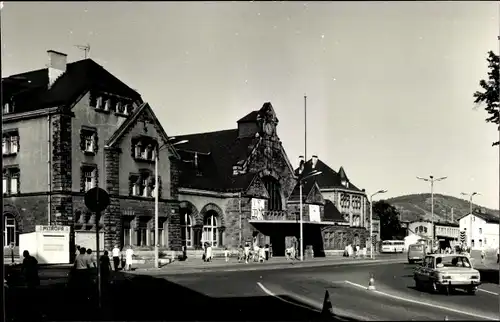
338	237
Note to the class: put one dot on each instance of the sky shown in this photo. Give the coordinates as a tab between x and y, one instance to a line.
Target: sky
389	85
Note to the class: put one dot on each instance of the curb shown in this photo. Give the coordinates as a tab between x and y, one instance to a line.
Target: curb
181	271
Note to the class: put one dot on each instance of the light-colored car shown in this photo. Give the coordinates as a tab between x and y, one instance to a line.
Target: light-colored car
446	272
416	253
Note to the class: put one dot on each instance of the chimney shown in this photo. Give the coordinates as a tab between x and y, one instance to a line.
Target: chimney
314	161
57	65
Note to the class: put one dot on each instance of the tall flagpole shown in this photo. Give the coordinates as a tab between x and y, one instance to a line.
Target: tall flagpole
498	106
305	128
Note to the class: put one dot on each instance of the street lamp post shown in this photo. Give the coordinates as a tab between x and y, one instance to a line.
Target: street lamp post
470	195
301	223
371	220
157	190
431	179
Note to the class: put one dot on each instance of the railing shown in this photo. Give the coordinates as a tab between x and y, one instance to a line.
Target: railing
268	215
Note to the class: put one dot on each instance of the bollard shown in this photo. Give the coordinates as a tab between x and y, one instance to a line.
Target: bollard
371	283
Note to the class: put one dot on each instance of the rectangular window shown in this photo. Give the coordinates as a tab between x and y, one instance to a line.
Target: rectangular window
10	143
10	181
88	137
480	231
144	148
88	177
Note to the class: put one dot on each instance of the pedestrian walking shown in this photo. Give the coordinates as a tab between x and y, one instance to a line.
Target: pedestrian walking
498	256
262	254
105	266
129	254
116	257
93	263
266	249
80	275
483	255
30	270
226	254
247	252
209	253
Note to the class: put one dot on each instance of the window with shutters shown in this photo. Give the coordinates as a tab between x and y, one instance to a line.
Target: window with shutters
10	183
10	142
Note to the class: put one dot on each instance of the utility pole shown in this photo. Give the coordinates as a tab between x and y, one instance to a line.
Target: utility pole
431	179
452	214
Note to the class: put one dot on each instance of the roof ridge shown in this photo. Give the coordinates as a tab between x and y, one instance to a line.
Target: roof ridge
46	68
200	133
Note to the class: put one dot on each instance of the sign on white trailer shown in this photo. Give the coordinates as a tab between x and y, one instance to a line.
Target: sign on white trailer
48	244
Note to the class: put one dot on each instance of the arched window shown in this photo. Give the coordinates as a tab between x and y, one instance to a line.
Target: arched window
425	230
11	234
274	190
187	229
210	230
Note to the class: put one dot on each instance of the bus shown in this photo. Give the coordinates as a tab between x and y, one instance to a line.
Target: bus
393	246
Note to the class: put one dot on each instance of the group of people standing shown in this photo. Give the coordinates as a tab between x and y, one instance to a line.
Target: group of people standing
84	271
354	251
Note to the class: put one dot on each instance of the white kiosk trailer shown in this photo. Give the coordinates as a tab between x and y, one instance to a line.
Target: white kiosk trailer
48	244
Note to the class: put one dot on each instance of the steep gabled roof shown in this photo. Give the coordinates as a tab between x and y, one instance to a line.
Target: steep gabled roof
329	178
216	153
143	110
30	90
331	213
489	218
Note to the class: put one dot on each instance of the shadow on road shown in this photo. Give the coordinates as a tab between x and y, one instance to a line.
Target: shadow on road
489	275
145	298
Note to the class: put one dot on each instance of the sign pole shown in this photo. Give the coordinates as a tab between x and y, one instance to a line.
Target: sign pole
98	216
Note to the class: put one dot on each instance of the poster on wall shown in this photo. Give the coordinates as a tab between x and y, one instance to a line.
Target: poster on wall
314	213
258	207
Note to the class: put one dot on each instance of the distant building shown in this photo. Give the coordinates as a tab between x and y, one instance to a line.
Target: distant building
447	233
481	229
345	204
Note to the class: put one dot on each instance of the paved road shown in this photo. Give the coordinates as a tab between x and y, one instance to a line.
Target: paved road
268	294
395	298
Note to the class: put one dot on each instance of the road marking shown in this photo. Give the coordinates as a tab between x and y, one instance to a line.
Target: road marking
268	292
424	303
486	291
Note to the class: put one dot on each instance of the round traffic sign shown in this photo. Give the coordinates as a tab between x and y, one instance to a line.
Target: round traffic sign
96	199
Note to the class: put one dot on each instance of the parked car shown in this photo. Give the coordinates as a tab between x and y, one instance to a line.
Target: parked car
416	253
447	272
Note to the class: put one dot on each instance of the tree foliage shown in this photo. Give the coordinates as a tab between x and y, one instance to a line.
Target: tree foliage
390	227
489	96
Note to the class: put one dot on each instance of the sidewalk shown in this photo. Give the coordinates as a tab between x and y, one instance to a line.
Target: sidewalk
197	265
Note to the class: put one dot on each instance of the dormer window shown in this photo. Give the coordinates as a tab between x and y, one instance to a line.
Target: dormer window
88	140
99	103
345	183
144	148
10	143
107	105
125	109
